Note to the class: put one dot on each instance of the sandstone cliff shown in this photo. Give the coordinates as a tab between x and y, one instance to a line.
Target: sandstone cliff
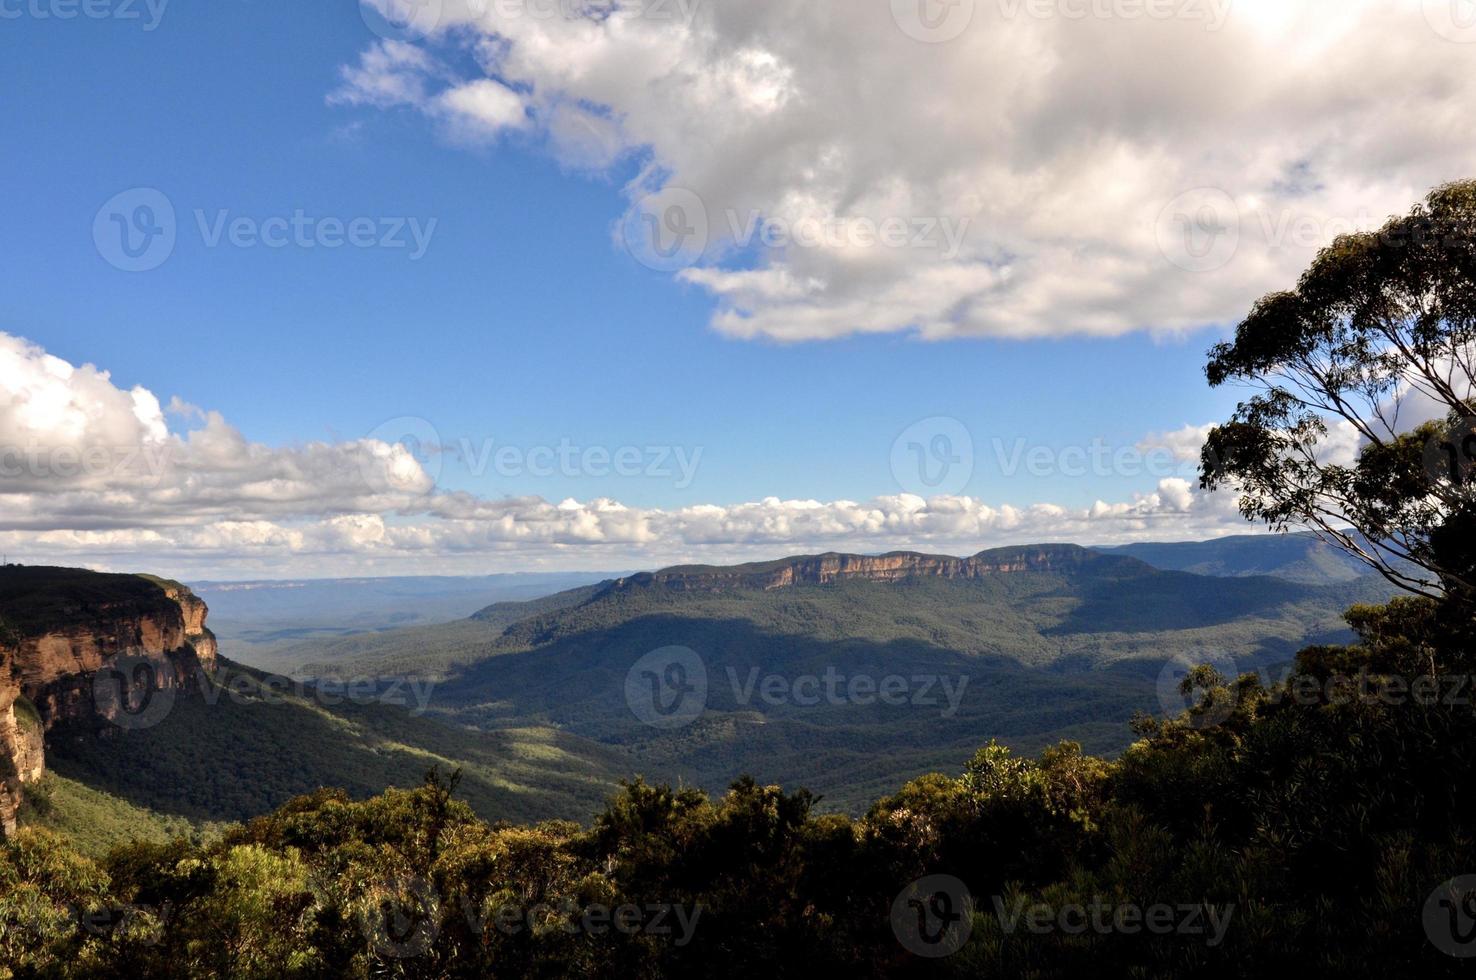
22	759
896	567
61	627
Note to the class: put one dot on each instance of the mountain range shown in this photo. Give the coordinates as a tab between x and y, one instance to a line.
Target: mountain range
847	674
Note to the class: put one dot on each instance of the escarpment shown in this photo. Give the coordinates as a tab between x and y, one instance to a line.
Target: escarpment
22	757
85	647
896	567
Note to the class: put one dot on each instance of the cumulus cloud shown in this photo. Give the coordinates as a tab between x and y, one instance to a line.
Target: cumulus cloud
1110	170
485	105
1182	444
390	73
533	533
91	473
79	453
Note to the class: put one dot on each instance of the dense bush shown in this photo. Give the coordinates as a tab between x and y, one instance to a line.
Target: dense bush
1288	827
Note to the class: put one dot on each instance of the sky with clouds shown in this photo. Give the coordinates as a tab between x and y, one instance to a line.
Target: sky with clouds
461	286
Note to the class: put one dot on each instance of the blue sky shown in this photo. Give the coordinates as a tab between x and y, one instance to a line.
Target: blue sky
526	322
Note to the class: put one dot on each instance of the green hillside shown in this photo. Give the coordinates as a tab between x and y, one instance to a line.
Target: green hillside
247	746
1039	657
96	821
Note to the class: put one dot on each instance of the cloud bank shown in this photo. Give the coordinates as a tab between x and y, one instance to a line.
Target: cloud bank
94	474
1106	165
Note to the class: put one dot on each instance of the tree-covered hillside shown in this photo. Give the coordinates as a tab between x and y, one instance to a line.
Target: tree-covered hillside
1033	657
1299	557
250	741
1303	827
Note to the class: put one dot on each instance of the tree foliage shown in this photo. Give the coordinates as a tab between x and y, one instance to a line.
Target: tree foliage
1377	338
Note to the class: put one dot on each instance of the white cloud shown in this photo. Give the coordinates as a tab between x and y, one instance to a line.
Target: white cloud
1064	143
93	474
1183	444
77	452
485	105
390	73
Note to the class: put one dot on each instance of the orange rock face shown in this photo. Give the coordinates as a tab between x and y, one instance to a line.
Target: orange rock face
193	610
54	668
902	566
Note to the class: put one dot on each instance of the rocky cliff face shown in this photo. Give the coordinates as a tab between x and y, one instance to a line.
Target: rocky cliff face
66	637
896	567
22	758
193	610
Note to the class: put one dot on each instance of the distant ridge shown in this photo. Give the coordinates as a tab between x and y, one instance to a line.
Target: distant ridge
1298	557
895	566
